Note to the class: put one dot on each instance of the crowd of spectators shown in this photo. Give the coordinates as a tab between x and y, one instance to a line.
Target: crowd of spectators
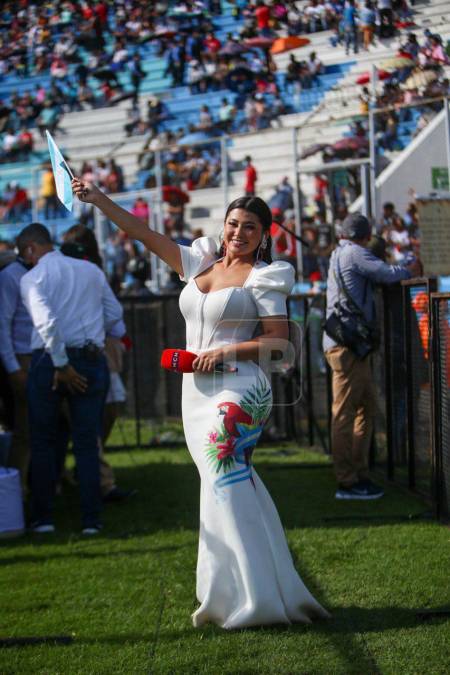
422	80
400	235
396	237
85	47
127	263
317	234
15	204
190	167
74	42
358	23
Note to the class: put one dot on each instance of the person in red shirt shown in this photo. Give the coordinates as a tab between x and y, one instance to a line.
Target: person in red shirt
101	10
320	191
18	205
26	140
212	44
87	12
283	242
262	14
250	177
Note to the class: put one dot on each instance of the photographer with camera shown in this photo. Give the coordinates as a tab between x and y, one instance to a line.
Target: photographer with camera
71	306
351	334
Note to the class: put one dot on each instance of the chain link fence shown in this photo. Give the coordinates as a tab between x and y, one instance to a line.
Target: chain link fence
300	389
411	371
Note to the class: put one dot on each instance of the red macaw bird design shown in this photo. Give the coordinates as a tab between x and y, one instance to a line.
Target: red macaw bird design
233	414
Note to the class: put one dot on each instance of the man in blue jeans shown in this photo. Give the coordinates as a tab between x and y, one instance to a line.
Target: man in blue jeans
71	306
350	26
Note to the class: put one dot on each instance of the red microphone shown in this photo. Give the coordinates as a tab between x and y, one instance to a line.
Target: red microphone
180	361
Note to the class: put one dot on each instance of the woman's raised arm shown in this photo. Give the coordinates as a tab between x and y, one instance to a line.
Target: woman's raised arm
160	244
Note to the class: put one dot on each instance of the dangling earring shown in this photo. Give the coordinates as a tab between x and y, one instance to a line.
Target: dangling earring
223	248
261	248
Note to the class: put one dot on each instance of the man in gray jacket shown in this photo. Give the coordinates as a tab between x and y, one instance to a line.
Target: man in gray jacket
353	391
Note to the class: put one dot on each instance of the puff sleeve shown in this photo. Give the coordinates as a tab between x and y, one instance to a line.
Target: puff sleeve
199	256
270	286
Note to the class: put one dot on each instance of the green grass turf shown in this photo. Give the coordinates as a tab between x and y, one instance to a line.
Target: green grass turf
126	596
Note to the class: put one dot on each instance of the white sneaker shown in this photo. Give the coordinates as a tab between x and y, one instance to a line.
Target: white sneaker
43	529
91	530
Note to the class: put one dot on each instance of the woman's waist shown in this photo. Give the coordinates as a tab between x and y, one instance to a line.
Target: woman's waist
215	345
229	368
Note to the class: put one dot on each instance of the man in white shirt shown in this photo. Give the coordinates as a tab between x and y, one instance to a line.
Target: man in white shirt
9	142
315	66
226	114
71	306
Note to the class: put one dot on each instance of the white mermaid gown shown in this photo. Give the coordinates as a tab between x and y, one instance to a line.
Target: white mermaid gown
245	572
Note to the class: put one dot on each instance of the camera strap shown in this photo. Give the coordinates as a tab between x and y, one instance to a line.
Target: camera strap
343	290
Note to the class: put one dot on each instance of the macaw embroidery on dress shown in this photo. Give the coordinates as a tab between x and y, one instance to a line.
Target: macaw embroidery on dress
229	449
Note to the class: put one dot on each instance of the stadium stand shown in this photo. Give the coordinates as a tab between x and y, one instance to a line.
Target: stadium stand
323	112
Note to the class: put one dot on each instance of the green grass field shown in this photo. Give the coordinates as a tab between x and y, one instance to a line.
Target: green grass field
125	597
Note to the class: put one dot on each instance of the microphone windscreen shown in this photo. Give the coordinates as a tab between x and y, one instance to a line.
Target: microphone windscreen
178	360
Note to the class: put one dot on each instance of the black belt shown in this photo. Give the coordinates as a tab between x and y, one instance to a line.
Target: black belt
90	351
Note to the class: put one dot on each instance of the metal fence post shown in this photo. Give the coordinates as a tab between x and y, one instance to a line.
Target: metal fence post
136	394
373	165
436	402
297	206
35	202
161	273
153	259
309	384
409	389
365	189
430	286
329	376
224	171
388	384
374	83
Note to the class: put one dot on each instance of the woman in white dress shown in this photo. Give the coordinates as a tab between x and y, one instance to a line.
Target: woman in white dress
245	573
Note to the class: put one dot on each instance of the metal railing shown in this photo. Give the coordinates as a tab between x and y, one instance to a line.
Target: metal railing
301	392
440	380
416	307
411	372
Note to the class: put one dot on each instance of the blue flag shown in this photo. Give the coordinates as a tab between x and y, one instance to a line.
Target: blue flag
61	173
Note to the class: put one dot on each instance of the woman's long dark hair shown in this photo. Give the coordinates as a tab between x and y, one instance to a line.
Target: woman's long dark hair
80	234
259	208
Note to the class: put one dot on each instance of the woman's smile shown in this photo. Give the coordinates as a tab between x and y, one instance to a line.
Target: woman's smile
238	224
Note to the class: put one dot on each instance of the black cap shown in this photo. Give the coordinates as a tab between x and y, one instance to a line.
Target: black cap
356	226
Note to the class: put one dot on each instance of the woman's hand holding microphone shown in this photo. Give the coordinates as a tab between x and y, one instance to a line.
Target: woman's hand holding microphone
183	361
